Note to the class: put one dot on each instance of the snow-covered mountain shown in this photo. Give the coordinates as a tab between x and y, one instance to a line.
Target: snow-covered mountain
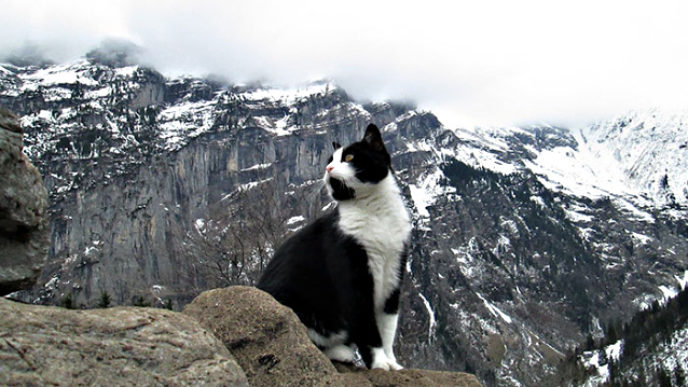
526	239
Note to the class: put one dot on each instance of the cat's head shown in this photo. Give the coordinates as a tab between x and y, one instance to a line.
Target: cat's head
355	170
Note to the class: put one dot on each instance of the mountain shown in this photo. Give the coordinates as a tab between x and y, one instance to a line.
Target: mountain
526	240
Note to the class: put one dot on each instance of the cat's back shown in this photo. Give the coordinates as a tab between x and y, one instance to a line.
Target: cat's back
301	254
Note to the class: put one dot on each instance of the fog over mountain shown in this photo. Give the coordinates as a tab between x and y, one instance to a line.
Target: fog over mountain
486	63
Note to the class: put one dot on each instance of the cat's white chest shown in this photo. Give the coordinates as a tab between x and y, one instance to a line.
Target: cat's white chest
381	224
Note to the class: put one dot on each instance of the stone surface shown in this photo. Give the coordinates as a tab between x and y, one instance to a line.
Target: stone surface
353	376
271	345
41	345
267	338
9	121
24	227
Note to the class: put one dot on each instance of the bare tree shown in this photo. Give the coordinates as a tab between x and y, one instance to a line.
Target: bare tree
237	240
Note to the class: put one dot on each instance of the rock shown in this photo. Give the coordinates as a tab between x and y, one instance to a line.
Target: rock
24	230
42	345
9	121
267	338
272	346
406	377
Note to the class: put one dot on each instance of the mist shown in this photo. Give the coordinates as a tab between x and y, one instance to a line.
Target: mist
485	64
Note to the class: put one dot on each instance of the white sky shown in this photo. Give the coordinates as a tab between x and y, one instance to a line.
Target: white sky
471	62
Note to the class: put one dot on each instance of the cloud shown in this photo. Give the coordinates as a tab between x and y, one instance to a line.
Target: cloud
484	63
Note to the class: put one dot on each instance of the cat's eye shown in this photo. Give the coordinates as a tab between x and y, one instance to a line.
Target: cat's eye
348	158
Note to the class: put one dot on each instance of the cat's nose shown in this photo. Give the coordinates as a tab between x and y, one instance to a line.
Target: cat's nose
329	168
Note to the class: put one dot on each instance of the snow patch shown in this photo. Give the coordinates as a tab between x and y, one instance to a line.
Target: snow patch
257	167
425	191
250	185
667	293
58	75
433	322
181	122
295	219
682	282
494	310
539	201
126	72
51	284
199	224
288	96
577	217
642	239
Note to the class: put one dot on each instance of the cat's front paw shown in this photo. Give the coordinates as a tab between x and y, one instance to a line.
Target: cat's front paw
383	362
394	365
393	361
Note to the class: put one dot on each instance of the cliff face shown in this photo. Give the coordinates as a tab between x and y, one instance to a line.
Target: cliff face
161	188
24	225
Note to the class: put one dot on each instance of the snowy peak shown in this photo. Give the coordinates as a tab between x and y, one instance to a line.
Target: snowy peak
649	149
639	159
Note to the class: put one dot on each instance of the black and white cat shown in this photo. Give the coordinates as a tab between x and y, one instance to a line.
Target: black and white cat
342	273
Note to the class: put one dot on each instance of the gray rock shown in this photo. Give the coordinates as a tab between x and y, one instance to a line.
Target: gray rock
24	231
43	345
9	121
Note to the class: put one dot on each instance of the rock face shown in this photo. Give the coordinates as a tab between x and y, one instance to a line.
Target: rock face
24	230
273	348
43	345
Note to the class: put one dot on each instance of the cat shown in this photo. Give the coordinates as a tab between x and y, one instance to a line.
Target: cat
342	273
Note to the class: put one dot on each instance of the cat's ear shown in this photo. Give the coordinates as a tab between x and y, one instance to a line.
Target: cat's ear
374	138
336	145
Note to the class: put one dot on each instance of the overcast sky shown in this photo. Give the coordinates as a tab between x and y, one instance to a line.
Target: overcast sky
470	62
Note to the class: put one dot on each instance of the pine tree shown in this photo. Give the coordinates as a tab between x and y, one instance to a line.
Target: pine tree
663	377
68	302
614	373
104	300
679	375
140	301
589	342
602	356
612	334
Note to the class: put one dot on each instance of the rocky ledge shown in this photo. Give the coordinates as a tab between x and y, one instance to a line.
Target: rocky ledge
43	345
235	336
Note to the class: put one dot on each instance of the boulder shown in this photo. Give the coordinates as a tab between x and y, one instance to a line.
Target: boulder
9	121
272	346
42	345
267	338
24	223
